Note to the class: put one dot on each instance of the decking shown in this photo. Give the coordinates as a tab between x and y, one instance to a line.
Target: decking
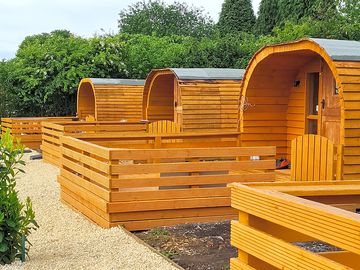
28	129
146	181
272	216
52	131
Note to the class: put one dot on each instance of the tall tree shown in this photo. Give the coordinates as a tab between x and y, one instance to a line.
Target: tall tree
160	19
323	9
350	9
3	88
268	16
237	16
295	10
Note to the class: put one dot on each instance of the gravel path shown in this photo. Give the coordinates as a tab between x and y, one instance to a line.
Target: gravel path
67	240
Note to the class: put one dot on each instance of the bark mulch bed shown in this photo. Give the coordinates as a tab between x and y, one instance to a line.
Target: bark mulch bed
203	246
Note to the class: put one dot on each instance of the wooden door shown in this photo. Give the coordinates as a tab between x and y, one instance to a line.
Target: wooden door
312	103
329	106
178	111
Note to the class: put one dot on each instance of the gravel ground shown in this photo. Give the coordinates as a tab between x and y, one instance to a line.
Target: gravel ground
67	240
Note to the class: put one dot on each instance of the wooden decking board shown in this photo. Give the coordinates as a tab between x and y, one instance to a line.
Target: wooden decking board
272	206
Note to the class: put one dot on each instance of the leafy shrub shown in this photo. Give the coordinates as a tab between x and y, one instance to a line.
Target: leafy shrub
144	53
43	77
16	218
155	17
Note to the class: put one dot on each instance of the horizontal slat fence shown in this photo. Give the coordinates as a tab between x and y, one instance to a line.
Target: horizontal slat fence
271	219
125	134
51	132
145	188
28	129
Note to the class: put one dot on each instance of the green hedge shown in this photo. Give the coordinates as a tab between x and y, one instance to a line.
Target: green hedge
43	77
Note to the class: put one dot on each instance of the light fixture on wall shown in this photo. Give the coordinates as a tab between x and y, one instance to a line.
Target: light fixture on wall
336	88
296	83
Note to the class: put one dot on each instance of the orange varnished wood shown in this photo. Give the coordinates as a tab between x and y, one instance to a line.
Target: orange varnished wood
198	106
109	102
280	214
28	129
141	188
278	109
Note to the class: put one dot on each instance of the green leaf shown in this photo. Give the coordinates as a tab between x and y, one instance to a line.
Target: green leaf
10	223
3	247
1	236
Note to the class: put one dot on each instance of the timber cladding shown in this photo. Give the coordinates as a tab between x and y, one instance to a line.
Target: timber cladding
28	129
273	216
197	99
110	99
145	188
310	86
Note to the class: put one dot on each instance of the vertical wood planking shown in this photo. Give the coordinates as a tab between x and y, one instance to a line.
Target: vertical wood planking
310	173
330	162
244	220
293	159
305	160
317	158
323	158
299	146
339	162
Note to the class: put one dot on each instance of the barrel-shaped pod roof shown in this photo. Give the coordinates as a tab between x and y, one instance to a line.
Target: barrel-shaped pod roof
343	59
206	93
110	99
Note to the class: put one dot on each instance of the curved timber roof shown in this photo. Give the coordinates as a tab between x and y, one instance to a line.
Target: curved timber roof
343	59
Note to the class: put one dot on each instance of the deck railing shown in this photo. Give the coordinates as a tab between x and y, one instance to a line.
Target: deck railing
52	131
28	129
145	188
271	219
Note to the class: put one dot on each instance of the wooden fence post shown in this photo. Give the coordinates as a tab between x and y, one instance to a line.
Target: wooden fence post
243	219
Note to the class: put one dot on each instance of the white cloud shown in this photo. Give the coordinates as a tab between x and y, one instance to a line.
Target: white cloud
20	18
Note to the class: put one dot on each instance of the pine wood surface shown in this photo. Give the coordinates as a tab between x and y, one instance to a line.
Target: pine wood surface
28	129
109	102
197	106
315	158
145	188
278	110
274	215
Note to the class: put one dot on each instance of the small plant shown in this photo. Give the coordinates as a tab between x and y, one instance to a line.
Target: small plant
169	254
158	232
16	218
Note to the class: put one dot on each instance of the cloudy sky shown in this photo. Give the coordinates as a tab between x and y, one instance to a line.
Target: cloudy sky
20	18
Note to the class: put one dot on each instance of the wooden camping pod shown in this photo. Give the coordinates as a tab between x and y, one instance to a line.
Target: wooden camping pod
110	99
197	99
310	86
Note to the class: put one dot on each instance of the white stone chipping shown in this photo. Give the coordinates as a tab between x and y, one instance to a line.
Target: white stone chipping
67	240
